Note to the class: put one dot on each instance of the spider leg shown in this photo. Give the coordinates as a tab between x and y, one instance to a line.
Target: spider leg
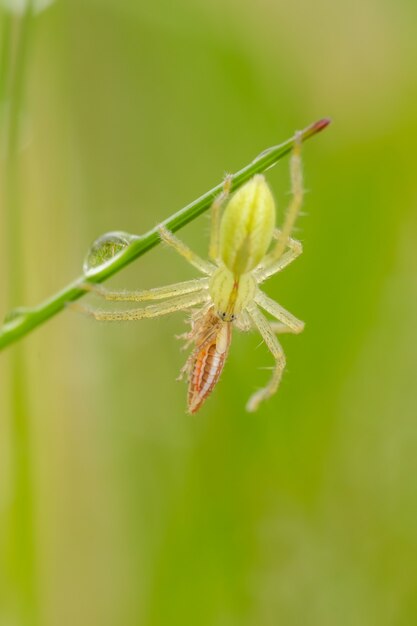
279	328
243	322
157	293
276	310
177	303
271	265
297	191
262	324
179	246
215	217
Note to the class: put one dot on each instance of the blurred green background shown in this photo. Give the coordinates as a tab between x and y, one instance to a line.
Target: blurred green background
115	506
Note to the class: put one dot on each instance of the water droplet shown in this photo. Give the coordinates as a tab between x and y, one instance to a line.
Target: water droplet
104	250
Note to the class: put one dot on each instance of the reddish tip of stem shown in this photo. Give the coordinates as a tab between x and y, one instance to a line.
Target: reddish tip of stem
318	126
315	128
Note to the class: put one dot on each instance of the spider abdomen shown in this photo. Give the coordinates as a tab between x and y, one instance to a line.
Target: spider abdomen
247	226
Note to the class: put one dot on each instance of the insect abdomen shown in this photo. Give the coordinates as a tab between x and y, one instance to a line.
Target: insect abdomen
206	367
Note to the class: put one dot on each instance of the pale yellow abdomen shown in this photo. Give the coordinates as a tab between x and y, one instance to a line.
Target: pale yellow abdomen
247	226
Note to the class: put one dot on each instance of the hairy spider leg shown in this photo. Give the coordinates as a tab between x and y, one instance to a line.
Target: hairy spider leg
156	293
295	325
183	250
178	303
271	265
280	328
264	327
243	322
297	191
215	217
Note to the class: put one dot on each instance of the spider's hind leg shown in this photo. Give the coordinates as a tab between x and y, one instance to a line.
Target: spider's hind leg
284	317
279	328
262	324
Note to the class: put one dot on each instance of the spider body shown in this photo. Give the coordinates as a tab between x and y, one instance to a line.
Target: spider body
245	249
231	293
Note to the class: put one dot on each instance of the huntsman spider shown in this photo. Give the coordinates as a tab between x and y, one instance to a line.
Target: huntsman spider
245	249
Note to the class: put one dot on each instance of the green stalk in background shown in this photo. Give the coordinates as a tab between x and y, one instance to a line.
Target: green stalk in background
20	552
5	58
22	321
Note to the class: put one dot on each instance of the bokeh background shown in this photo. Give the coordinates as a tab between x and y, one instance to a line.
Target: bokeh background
115	506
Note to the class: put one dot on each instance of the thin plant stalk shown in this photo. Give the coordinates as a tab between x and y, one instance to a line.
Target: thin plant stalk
5	57
24	320
21	546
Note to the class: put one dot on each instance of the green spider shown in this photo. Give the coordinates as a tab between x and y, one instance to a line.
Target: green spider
245	250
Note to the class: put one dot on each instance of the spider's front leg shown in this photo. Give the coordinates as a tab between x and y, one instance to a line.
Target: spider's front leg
216	207
183	250
262	324
297	191
272	265
171	305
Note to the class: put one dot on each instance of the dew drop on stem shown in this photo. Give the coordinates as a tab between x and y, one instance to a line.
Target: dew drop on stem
105	249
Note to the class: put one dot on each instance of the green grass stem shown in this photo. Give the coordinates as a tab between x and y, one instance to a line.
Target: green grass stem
19	560
27	319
